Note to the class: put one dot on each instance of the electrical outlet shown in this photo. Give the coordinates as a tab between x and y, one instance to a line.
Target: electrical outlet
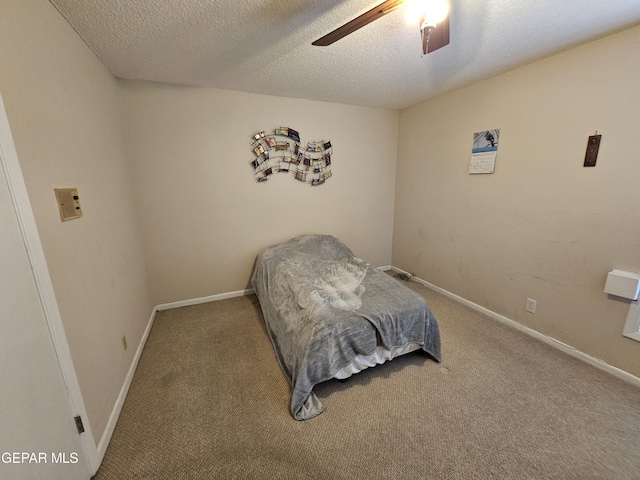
530	306
124	342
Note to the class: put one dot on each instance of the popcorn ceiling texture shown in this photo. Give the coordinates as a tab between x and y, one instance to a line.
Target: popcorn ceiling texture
264	46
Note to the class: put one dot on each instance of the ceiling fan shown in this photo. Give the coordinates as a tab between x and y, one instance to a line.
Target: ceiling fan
434	24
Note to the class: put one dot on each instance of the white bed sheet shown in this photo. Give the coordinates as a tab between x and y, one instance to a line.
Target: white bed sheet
378	357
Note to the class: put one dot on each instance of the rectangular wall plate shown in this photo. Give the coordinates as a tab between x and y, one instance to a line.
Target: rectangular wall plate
530	305
68	203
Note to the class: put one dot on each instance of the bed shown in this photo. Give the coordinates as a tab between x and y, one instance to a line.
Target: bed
329	314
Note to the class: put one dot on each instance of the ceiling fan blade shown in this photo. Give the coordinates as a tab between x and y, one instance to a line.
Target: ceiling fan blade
439	37
358	22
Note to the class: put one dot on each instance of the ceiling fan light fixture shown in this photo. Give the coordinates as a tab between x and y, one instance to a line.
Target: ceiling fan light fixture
433	15
425	35
427	12
435	12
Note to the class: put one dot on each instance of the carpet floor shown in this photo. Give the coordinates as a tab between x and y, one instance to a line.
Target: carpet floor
208	401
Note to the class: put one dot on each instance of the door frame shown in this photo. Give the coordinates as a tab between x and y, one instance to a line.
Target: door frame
24	213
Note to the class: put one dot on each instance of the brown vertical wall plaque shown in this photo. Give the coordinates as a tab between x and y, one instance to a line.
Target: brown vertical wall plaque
592	150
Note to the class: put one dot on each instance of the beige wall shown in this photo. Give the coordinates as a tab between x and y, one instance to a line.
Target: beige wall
542	226
62	106
204	217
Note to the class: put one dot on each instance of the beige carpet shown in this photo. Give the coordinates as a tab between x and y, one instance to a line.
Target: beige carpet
209	401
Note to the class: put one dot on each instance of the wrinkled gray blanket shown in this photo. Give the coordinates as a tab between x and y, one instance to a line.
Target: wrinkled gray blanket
323	306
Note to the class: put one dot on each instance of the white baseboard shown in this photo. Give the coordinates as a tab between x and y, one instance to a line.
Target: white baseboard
115	413
617	372
197	301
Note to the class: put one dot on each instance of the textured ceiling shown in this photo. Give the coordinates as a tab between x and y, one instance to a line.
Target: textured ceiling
264	46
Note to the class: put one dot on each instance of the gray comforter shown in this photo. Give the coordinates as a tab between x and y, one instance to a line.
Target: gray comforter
323	306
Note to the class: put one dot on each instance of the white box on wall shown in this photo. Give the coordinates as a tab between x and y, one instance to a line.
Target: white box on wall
623	284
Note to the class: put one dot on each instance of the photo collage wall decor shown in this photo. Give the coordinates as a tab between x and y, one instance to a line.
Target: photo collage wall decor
280	152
